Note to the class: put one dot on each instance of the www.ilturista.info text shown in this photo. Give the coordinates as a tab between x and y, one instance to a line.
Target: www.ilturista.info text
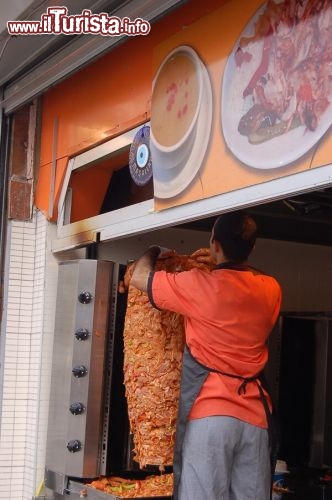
57	21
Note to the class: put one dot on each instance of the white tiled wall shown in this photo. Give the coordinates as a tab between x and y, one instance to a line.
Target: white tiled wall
26	345
21	352
26	339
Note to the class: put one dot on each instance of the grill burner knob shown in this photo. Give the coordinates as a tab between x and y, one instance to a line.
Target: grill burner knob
79	371
85	297
76	408
82	334
74	445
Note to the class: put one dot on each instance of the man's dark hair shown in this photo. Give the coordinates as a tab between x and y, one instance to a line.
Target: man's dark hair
236	232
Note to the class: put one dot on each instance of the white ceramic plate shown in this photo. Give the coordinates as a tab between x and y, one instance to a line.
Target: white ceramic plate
276	152
171	182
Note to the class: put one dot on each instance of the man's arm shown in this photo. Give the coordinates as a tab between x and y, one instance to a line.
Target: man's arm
143	267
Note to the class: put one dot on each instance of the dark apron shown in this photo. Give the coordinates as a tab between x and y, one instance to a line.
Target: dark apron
193	377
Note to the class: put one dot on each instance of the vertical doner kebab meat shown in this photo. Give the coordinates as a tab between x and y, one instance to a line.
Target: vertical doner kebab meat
153	347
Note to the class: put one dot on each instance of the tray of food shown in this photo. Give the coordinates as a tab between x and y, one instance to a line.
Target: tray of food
115	488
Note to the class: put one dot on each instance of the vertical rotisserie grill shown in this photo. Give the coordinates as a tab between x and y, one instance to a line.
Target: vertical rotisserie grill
89	434
85	314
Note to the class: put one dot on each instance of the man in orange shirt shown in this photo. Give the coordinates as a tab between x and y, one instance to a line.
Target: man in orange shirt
222	449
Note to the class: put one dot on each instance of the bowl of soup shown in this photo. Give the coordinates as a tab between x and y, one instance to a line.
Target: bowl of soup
175	106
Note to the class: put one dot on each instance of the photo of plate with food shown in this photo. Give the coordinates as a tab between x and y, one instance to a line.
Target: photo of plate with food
277	84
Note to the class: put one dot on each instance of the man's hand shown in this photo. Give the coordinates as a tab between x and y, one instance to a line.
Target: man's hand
165	253
143	267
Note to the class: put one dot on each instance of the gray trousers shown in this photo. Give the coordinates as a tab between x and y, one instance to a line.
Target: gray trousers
225	459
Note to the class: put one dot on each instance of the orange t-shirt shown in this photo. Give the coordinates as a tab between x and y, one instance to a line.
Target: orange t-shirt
228	316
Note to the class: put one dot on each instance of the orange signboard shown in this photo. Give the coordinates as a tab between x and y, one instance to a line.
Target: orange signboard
241	97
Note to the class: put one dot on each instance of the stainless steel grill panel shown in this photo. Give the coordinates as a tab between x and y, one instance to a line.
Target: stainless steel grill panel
82	431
